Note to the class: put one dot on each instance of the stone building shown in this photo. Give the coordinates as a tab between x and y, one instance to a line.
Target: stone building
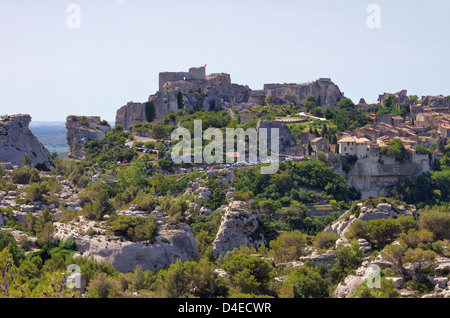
320	144
354	146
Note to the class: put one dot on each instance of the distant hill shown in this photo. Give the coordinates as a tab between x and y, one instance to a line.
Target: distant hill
52	134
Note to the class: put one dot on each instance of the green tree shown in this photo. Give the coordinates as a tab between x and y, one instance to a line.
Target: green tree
324	131
180	100
406	223
134	229
389	103
150	111
249	274
420	149
347	260
26	161
288	246
174	285
435	221
95	201
133	176
346	103
7	241
325	240
269	206
166	165
269	100
382	231
310	103
8	272
307	282
387	290
395	254
416	238
396	149
102	286
46	237
28	270
357	229
419	258
322	156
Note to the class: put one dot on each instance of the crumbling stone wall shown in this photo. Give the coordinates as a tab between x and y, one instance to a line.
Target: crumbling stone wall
195	73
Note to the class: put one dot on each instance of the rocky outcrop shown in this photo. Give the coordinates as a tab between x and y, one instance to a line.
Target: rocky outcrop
81	130
130	114
286	140
319	259
351	282
238	227
16	140
372	177
368	213
435	101
184	90
399	98
324	90
195	89
172	243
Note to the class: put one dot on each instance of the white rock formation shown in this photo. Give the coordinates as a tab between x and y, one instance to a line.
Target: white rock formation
367	213
172	243
236	230
80	131
16	139
351	282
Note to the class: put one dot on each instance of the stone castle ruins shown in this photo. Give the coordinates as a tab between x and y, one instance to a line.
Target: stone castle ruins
194	74
216	91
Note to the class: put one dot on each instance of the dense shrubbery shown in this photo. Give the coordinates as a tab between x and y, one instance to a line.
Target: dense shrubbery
396	149
112	148
282	197
135	229
429	188
347	116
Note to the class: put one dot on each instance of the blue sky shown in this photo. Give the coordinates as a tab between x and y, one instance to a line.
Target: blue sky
51	71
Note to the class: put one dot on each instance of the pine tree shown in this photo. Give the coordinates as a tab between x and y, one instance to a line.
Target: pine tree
324	130
26	161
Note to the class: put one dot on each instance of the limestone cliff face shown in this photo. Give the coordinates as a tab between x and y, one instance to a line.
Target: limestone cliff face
372	177
130	114
368	213
238	228
16	139
81	130
199	92
286	140
211	92
170	244
324	90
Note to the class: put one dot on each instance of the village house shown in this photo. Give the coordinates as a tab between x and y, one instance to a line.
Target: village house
444	130
397	121
354	146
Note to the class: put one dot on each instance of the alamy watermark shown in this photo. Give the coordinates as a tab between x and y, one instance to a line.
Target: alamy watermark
374	279
374	19
238	143
73	279
74	19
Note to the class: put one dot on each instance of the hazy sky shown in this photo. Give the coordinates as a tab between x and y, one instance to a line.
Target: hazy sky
50	70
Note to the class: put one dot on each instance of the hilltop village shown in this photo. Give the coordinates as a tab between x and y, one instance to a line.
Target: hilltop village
360	190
